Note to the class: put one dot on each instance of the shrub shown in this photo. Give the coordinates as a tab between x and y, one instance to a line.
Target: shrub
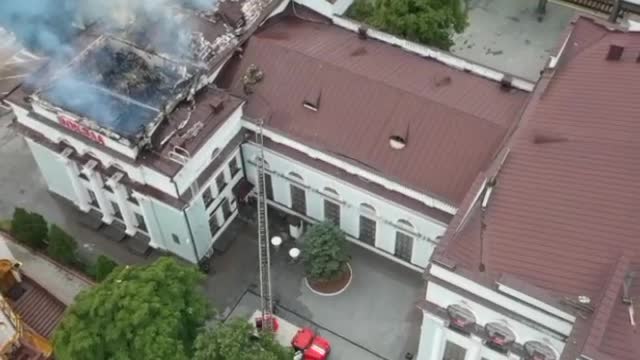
103	267
5	225
431	22
325	254
29	228
61	247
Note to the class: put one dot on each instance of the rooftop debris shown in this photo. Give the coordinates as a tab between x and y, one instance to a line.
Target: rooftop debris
252	76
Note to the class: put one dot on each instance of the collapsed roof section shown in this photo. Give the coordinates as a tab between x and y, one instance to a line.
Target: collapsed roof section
127	81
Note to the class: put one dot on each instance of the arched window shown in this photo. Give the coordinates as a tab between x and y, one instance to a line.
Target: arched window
406	225
215	153
499	336
461	318
296	176
367	209
368	225
536	350
331	192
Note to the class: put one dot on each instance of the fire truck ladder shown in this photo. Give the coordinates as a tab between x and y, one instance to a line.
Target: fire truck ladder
266	301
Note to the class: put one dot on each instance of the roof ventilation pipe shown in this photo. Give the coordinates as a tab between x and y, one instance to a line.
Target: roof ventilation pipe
615	52
397	142
506	82
399	134
362	33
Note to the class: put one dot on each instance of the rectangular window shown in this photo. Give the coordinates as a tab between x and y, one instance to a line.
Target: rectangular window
116	210
268	186
220	182
142	225
92	198
453	351
213	224
367	231
175	238
404	246
226	209
233	166
298	200
131	197
332	212
207	197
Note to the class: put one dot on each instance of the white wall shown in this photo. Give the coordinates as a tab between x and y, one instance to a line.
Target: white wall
387	213
526	325
53	170
199	214
139	174
192	169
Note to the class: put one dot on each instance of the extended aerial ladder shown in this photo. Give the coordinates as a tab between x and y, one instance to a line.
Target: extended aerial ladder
266	300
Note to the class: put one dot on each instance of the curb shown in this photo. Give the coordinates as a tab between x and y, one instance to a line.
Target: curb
306	282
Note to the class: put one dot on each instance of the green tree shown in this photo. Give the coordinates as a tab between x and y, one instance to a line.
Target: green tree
234	340
146	312
61	246
325	254
103	267
29	228
431	22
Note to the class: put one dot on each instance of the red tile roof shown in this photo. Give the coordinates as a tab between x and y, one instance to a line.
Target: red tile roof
38	308
369	91
565	205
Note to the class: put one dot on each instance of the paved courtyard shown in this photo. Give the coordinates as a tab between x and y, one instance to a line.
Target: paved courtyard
375	318
506	35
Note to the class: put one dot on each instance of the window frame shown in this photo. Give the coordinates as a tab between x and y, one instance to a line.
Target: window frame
233	170
224	184
207	197
332	212
142	223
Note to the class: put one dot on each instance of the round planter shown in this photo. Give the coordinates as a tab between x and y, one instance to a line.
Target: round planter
332	292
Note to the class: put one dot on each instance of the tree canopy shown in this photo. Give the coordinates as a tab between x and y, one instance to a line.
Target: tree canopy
139	312
431	22
233	340
325	254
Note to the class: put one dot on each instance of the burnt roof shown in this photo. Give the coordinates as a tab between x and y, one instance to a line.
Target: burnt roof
563	211
120	87
454	121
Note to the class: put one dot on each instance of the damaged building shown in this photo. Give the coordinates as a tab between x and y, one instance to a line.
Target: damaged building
156	147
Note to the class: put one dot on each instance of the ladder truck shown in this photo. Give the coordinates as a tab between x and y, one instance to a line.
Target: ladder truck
305	342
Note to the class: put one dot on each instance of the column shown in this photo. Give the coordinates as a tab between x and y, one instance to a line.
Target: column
155	234
97	185
123	203
82	199
438	340
474	351
615	11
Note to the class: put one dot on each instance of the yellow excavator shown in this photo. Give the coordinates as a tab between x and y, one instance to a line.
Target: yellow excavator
17	340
